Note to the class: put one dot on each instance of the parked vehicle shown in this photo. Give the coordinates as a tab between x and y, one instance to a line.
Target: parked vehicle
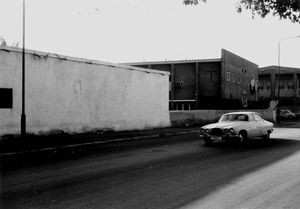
287	114
237	125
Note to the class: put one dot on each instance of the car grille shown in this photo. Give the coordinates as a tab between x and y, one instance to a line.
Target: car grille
217	132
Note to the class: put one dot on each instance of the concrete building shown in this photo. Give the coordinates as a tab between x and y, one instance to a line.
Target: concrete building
289	85
78	95
226	82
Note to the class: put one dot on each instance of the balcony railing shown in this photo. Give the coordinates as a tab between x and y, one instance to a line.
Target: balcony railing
283	92
298	92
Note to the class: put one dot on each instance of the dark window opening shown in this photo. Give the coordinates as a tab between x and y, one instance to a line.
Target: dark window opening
6	96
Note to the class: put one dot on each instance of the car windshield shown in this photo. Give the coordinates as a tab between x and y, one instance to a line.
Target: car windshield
234	117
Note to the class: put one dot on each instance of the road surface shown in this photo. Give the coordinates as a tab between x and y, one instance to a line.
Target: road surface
182	174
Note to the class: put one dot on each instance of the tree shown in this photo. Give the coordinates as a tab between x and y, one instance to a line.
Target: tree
2	41
285	9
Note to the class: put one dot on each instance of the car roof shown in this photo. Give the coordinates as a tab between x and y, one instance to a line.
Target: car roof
247	113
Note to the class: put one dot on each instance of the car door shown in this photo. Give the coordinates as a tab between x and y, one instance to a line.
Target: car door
260	123
254	126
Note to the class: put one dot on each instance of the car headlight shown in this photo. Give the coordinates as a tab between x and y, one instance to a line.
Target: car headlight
207	131
201	131
226	130
231	130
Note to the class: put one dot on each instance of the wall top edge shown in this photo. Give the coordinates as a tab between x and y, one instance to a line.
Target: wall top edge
174	61
224	51
81	60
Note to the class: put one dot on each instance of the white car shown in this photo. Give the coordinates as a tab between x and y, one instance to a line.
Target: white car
237	125
287	114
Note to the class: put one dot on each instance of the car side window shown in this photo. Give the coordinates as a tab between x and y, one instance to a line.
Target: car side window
251	118
243	117
257	117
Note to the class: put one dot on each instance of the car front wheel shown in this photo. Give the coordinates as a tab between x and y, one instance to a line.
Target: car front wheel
207	142
267	136
243	137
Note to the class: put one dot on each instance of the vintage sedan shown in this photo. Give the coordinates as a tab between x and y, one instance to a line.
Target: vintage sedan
237	125
287	114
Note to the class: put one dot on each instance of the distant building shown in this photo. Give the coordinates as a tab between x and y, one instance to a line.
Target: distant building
289	85
224	83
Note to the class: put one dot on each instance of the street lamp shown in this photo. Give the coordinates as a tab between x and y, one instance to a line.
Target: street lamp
23	115
278	93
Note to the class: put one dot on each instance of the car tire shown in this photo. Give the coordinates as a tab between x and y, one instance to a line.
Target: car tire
243	137
267	136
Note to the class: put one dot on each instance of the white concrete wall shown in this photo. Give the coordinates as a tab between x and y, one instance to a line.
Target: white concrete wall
77	95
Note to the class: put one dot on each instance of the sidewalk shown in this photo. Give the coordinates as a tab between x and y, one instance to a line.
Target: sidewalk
12	145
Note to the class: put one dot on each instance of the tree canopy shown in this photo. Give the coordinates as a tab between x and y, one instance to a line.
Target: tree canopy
2	41
285	9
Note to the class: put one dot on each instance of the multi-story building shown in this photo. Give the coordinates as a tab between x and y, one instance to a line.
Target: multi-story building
227	82
288	89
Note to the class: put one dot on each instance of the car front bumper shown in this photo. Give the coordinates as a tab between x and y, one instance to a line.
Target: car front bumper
219	138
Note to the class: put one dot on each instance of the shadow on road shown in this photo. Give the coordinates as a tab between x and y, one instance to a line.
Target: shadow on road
169	182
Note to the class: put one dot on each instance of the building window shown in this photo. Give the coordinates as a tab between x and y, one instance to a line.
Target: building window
239	78
179	85
233	77
228	76
6	98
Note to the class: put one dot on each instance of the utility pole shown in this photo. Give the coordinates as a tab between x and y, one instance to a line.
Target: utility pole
23	115
278	77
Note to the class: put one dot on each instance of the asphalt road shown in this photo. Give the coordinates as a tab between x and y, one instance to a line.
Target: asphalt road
181	174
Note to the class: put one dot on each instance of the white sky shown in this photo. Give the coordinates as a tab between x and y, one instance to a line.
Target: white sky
148	30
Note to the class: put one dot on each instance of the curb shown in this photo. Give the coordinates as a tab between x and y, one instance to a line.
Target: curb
97	143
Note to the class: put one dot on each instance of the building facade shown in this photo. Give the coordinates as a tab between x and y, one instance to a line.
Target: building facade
227	82
283	81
